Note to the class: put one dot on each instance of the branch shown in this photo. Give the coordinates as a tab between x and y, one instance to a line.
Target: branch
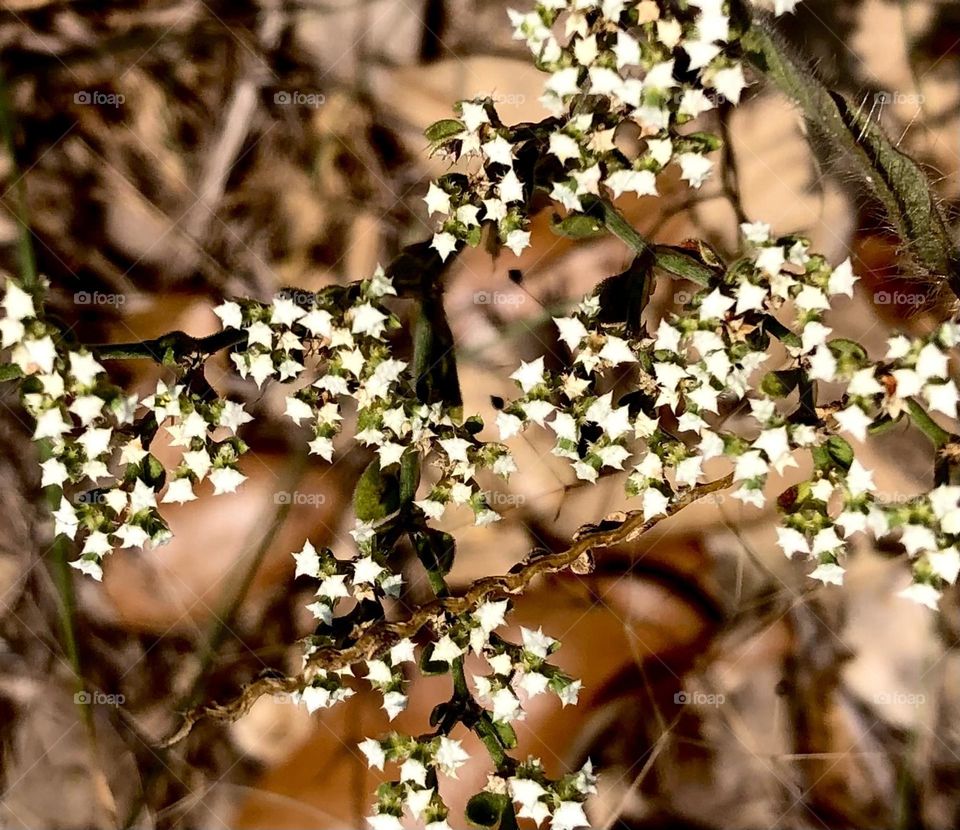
380	636
177	343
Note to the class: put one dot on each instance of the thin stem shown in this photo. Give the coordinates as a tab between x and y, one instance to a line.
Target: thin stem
938	436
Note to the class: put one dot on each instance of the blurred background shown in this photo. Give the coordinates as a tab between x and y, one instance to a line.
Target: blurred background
177	152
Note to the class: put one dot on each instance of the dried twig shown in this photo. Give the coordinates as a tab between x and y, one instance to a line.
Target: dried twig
378	637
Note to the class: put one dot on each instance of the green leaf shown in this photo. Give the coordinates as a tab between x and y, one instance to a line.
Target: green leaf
840	451
152	472
485	809
506	733
623	297
434	359
444	129
10	371
849	350
780	384
377	494
436	549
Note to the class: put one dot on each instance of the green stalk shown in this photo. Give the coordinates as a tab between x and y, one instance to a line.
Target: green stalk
895	180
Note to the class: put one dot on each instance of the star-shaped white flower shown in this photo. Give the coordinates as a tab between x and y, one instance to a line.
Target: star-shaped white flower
437	199
529	374
446	650
226	480
444	244
366	570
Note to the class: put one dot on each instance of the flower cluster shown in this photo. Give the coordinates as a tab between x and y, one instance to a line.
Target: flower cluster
655	66
334	344
701	365
97	438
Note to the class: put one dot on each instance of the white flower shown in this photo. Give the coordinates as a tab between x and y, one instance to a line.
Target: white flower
945	564
715	305
179	490
641	182
854	420
510	188
366	570
572	331
792	541
368	320
297	409
842	279
499	151
444	243
418	800
654	503
923	594
509	425
394	703
536	642
384	821
823	365
413	770
450	756
828	573
695	168
533	683
226	480
374	752
232	417
506	706
390	453
860	479
569	816
614	421
473	115
563	82
756	232
730	83
437	199
942	397
332	587
932	363
88	567
617	351
517	241
17	303
446	650
318	322
529	374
